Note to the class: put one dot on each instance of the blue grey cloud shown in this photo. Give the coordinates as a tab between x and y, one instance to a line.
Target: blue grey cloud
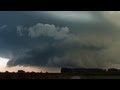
58	39
4	26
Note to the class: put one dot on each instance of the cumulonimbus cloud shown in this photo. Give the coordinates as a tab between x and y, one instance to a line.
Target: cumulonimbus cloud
97	46
40	29
66	48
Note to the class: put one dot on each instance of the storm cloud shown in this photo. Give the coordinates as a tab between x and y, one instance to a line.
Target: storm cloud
51	39
65	49
45	30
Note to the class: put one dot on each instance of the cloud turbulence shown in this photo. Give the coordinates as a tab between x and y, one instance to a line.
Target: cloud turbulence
50	41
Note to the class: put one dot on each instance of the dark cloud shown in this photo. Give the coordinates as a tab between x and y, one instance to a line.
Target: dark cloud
45	39
57	56
64	48
2	27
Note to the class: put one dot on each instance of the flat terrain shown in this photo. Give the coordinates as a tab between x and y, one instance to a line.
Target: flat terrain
57	76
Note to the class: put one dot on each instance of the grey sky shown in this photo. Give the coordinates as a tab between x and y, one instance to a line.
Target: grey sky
60	38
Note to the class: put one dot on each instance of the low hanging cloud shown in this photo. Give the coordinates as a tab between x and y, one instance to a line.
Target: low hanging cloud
65	49
55	46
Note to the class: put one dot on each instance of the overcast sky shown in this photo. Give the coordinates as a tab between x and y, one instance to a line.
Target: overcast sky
55	39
